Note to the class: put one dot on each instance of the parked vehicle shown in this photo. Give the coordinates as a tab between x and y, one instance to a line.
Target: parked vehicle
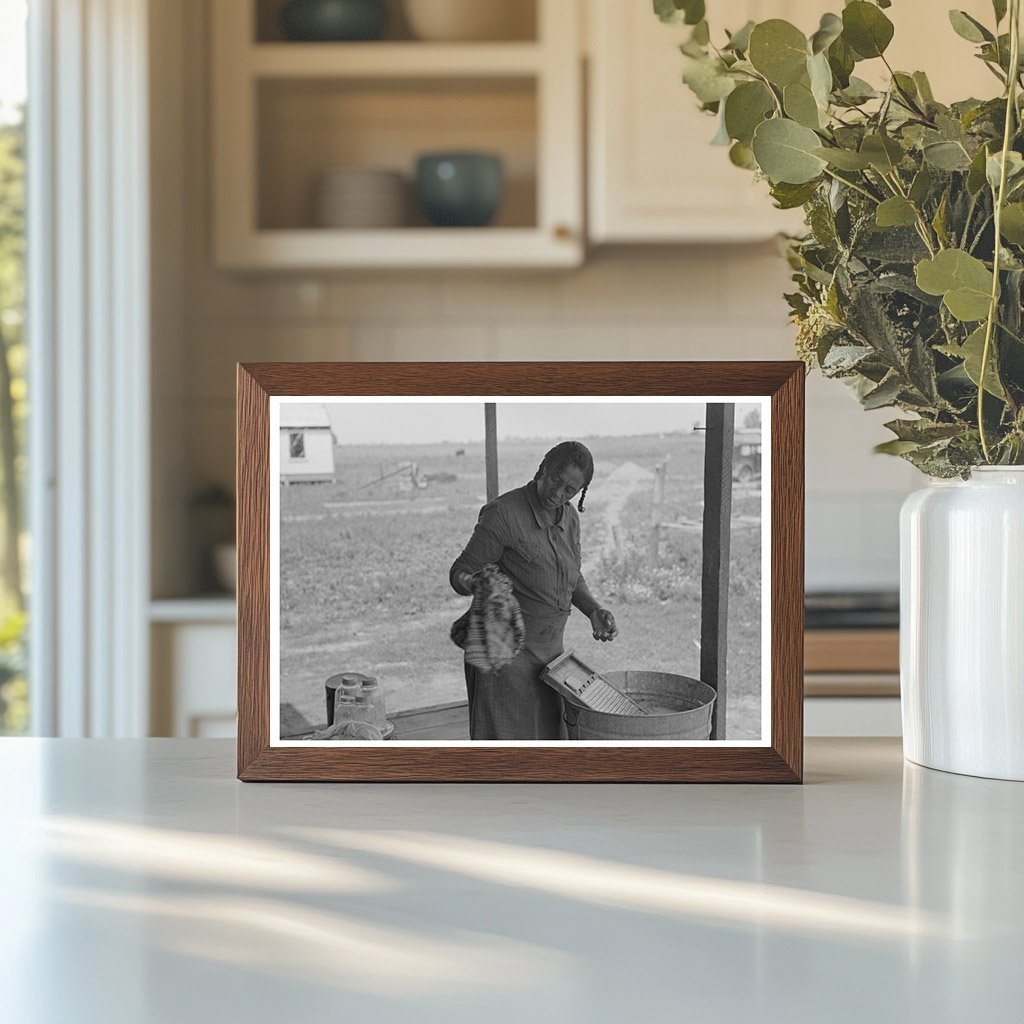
746	457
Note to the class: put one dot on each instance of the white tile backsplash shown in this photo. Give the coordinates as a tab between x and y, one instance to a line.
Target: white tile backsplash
719	302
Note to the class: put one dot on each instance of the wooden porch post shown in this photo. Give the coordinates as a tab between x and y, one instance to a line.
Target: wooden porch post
491	448
714	589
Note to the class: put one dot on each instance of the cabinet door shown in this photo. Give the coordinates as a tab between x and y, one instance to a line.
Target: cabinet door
653	174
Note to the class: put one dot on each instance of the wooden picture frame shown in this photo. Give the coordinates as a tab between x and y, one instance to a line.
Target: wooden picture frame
777	757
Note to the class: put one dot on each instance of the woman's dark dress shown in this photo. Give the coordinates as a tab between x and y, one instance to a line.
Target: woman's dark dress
543	562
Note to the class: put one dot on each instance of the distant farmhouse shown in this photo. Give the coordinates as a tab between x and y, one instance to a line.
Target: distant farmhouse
307	445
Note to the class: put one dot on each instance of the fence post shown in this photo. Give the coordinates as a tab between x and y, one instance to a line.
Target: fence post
714	586
654	542
491	448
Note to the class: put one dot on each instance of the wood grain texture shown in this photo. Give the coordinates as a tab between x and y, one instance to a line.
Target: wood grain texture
781	762
787	541
252	487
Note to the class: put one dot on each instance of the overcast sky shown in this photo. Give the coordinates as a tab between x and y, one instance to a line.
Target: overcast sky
463	422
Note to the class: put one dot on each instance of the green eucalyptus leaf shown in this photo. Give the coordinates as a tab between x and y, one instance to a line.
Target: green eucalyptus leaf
999	7
742	155
866	29
701	32
676	12
884	395
883	153
858	91
820	75
895	447
841	60
800	105
971	352
830	29
946	156
921	185
969	28
976	174
744	67
739	41
896	212
695	11
924	88
778	50
844	159
963	281
994	168
1011	225
939	220
784	151
707	80
906	87
789	197
745	108
923	431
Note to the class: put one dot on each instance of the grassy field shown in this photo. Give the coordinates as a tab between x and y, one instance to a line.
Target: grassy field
364	569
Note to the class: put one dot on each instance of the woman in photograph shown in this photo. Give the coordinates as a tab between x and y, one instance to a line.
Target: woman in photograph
532	534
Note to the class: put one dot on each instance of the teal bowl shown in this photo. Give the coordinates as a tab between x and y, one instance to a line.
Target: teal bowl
462	190
333	21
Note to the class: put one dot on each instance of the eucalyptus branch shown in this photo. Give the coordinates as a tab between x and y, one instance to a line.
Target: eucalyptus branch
923	228
771	89
853	185
993	308
977	238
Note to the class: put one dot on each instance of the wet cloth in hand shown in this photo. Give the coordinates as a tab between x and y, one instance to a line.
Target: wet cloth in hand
491	632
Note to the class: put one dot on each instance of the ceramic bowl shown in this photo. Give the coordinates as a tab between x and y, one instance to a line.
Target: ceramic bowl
460	189
334	20
470	20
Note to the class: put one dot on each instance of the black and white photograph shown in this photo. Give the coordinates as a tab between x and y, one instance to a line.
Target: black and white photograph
453	570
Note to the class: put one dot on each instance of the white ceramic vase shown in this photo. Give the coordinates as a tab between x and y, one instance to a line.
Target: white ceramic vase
962	624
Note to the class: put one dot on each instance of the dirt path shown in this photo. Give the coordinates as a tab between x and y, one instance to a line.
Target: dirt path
615	490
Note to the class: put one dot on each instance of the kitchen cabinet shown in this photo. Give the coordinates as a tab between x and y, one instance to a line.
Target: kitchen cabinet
193	670
286	113
653	175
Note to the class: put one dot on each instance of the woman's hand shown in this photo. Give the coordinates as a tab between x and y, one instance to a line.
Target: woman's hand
464	580
603	623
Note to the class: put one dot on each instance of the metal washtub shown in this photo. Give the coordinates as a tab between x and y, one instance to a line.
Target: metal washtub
678	708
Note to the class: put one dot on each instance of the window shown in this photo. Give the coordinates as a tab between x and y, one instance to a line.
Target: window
14	704
297	444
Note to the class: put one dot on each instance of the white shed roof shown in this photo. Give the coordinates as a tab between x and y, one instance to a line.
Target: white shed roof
304	415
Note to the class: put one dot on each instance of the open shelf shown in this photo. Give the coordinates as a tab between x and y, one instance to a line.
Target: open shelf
287	113
519	17
306	128
393	60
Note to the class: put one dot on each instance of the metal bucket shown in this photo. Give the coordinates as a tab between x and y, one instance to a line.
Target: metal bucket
678	708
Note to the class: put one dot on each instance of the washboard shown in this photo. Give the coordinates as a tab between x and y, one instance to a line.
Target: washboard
577	681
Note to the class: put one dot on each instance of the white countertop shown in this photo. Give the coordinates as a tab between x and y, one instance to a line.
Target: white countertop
143	884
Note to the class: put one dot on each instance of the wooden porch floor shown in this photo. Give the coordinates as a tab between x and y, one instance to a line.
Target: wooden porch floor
441	722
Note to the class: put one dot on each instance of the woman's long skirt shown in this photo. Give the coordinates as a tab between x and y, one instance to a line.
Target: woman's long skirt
514	703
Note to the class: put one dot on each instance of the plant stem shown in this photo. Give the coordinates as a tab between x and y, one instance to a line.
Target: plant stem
922	225
855	187
993	309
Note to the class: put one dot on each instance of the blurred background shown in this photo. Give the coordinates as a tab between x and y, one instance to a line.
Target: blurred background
246	180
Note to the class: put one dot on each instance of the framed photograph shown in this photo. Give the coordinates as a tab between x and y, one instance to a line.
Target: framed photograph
520	572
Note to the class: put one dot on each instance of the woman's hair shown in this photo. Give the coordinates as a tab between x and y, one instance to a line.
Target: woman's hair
569	453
